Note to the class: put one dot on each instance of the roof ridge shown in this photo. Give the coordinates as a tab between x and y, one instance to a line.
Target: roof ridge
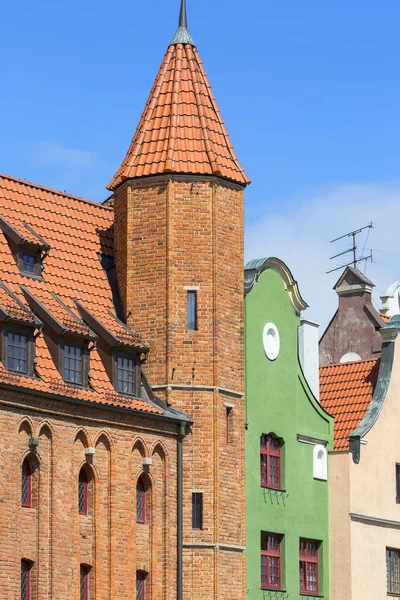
349	362
38	186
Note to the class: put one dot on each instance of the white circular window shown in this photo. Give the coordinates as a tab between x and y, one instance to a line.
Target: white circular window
271	341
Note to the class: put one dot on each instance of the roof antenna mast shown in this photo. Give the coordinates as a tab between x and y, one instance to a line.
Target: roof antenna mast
353	249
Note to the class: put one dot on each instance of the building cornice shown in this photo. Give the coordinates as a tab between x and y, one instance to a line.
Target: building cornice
254	268
377	521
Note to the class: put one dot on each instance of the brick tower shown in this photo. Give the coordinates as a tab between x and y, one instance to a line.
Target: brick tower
178	199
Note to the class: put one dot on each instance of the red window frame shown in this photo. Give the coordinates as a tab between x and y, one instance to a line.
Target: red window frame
26	589
26	479
308	566
141	585
270	561
83	492
393	571
140	501
397	482
84	582
270	461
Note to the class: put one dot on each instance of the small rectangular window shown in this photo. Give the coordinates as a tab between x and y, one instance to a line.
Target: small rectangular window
197	510
73	364
140	585
393	571
270	461
17	352
84	583
308	566
270	561
28	262
397	483
192	310
125	375
26	567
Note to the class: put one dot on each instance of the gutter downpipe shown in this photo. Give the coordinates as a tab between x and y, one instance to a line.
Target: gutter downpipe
181	435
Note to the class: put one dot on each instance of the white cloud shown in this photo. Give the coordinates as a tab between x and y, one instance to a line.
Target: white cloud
48	154
299	231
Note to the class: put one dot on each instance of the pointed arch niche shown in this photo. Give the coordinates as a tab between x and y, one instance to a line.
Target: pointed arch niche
102	460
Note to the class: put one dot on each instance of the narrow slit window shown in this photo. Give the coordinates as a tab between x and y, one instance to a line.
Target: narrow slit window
140	585
73	364
125	375
228	410
83	492
26	568
17	352
140	501
84	583
26	484
197	510
192	310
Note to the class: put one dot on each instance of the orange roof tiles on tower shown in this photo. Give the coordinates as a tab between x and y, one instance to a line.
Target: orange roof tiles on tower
181	129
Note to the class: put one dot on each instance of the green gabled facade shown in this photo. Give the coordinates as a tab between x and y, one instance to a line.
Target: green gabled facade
285	424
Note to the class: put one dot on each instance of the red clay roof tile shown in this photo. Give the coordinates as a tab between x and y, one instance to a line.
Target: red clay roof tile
181	129
346	390
78	231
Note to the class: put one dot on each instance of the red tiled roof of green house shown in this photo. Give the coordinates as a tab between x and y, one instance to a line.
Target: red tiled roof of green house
181	129
78	232
346	390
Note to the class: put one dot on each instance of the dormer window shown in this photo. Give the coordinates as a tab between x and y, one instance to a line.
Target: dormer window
18	350
74	362
125	375
29	263
28	247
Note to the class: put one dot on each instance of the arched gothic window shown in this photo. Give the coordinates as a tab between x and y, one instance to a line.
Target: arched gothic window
83	492
26	484
140	501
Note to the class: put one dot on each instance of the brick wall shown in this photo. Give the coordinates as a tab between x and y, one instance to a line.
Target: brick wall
187	232
53	534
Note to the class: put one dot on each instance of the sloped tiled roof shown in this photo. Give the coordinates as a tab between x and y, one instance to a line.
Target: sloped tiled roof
346	390
386	318
181	129
78	232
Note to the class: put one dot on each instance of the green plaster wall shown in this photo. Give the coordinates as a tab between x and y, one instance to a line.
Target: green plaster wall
278	400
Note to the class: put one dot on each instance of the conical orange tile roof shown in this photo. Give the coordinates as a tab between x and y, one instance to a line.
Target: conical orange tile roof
181	129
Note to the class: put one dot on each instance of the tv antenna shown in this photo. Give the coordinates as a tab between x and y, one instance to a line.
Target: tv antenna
353	249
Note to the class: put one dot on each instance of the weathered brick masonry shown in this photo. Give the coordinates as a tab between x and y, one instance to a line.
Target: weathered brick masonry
187	232
52	534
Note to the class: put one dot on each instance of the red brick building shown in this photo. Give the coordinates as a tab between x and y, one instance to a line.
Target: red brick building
121	372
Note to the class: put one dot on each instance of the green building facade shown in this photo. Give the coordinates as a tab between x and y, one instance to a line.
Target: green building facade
288	435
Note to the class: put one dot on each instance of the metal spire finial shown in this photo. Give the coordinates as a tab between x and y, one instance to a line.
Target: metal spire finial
183	15
182	36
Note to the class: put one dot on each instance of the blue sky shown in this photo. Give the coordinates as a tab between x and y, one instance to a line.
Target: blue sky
309	93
